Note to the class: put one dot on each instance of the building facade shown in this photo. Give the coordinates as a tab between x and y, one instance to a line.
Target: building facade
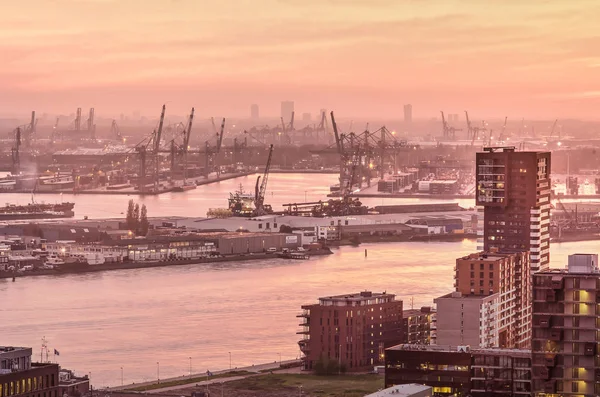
20	377
566	329
460	371
417	325
508	276
468	320
352	329
514	190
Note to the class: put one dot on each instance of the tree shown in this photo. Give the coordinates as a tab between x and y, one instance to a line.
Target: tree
130	219
285	229
144	224
136	218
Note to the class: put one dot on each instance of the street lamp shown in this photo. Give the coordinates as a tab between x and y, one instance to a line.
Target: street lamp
190	366
158	371
305	195
279	359
230	361
121	376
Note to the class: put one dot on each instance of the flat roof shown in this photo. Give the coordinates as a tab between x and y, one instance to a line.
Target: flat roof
455	349
407	390
365	295
10	349
458	295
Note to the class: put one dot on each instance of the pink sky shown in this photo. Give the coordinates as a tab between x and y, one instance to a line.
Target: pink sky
358	57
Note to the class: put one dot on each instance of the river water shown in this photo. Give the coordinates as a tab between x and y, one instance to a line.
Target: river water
100	322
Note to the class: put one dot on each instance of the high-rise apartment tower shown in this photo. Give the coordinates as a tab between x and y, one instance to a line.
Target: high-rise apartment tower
514	190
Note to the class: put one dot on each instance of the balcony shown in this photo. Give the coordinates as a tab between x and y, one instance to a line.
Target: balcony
303	331
557	282
556	335
544	321
304	313
551	295
589	349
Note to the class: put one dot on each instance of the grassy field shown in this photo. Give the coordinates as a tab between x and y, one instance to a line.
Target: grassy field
284	385
186	381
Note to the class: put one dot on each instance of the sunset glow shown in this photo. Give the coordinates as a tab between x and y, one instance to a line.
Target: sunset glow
365	57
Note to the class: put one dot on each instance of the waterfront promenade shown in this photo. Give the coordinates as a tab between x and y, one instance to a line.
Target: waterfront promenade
201	379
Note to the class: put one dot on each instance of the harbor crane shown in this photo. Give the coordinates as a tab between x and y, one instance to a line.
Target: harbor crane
114	130
503	135
16	161
153	145
553	129
449	131
27	130
259	193
473	131
91	126
211	154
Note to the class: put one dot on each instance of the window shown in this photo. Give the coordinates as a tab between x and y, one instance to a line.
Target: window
260	225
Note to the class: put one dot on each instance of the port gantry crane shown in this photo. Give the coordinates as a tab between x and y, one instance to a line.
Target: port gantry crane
448	131
259	193
114	130
374	149
473	131
211	154
16	161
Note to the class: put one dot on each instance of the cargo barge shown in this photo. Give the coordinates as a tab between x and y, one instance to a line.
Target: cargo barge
74	268
37	211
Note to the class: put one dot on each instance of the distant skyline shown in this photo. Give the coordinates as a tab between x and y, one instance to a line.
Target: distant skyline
360	58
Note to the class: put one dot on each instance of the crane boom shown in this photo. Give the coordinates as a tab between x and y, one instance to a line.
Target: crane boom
220	137
260	196
159	131
335	132
188	131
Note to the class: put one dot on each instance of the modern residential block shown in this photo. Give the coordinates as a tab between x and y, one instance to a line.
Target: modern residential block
514	190
353	329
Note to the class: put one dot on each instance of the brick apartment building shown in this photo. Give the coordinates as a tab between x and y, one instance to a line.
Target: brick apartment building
491	306
352	329
514	190
566	329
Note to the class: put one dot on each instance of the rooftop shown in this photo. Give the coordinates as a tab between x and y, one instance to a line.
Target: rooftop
458	295
461	349
360	296
402	391
489	256
11	349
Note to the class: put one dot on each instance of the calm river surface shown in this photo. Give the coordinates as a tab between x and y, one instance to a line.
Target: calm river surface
100	322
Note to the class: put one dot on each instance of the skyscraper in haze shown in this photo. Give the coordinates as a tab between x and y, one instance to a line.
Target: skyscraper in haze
254	111
408	113
514	190
287	107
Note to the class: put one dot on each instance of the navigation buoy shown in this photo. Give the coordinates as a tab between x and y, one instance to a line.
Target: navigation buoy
365	252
